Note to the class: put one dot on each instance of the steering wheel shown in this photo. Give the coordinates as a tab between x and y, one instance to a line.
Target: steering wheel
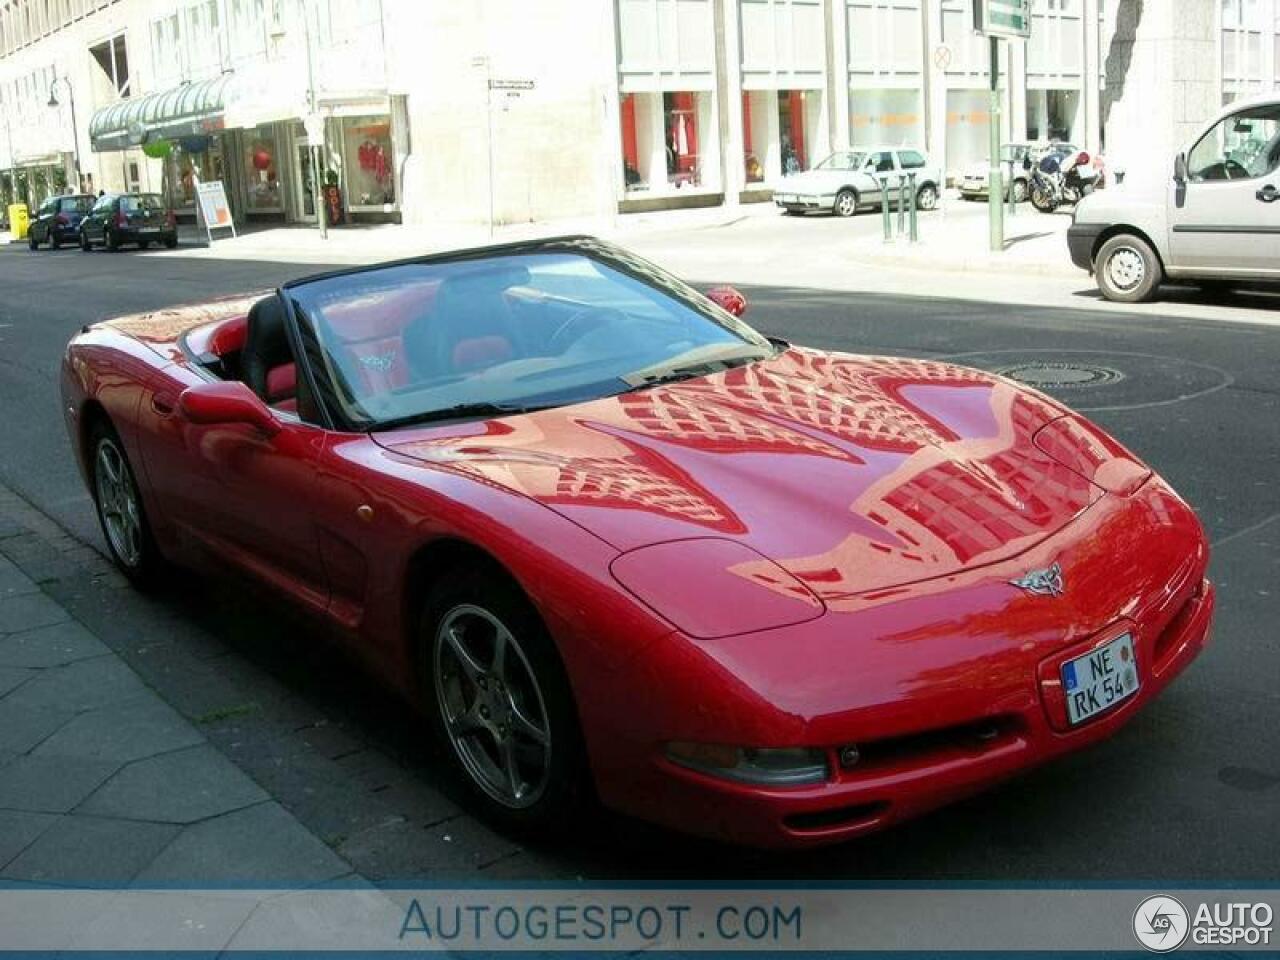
1234	170
560	339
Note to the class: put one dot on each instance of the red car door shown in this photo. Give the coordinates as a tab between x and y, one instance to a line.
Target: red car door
239	493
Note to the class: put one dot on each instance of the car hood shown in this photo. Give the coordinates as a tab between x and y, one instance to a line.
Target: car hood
812	180
851	473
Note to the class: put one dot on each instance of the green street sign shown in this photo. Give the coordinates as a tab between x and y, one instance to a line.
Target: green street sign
1003	18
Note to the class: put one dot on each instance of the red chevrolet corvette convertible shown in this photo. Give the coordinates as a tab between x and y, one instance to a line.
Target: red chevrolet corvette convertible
616	543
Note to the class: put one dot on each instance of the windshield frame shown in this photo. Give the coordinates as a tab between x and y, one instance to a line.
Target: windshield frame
310	353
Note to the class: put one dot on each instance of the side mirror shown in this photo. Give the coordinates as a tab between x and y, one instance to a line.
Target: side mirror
1180	168
728	298
228	402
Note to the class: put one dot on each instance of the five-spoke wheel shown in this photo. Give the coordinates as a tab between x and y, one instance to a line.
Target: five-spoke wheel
499	697
120	509
493	709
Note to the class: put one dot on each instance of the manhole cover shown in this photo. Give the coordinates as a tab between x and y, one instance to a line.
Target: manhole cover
1046	373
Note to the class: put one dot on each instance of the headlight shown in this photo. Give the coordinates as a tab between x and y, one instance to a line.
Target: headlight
768	766
711	588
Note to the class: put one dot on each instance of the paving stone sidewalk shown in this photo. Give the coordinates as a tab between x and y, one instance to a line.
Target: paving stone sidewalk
101	781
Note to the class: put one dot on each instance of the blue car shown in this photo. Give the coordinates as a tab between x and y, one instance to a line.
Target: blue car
58	220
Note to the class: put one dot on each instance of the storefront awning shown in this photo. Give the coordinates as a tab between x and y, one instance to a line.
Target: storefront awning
189	109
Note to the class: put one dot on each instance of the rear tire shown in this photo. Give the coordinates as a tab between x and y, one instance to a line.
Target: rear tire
55	241
1127	269
121	514
113	242
85	245
1020	191
32	242
846	204
171	243
144	244
508	723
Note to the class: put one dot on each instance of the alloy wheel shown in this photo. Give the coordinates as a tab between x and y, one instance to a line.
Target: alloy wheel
494	712
927	198
118	503
1126	269
846	204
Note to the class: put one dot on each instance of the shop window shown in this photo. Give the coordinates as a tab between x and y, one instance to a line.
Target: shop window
662	140
781	131
889	117
261	165
1051	114
369	161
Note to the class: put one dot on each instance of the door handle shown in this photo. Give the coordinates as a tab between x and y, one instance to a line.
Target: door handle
1268	194
163	404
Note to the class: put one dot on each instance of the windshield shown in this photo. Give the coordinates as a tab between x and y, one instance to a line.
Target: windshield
411	343
141	202
844	160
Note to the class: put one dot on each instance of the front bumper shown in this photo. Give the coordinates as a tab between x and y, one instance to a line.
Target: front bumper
1081	239
947	690
803	201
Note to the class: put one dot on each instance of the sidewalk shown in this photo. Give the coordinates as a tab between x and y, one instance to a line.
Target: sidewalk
956	238
101	781
374	243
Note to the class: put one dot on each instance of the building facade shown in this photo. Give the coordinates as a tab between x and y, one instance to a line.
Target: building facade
510	111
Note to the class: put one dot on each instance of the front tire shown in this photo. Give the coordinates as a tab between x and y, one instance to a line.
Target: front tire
121	514
113	241
85	245
1042	200
32	242
1020	191
1127	269
55	241
499	700
927	197
846	204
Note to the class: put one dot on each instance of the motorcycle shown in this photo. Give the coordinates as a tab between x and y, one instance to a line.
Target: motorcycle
1064	179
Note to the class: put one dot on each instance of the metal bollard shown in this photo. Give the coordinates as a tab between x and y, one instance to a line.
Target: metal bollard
914	221
902	212
884	210
1013	198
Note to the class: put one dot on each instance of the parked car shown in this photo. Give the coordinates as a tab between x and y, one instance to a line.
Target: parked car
119	218
972	182
58	220
850	180
1214	221
613	543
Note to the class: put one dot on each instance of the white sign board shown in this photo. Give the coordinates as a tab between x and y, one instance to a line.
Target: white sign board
214	208
1003	18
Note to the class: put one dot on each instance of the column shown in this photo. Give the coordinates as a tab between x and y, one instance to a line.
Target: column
1092	69
730	94
838	73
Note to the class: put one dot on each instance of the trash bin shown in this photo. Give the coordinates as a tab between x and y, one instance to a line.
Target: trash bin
18	221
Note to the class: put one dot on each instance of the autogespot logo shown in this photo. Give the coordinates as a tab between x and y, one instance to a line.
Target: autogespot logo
1161	923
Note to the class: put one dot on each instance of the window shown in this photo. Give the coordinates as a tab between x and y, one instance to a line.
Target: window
370	161
76	204
262	171
112	58
842	160
911	159
663	141
1243	145
881	162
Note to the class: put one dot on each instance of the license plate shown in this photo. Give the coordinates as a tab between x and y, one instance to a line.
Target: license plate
1100	679
149	230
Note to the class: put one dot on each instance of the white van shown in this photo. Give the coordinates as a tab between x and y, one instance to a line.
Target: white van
1214	220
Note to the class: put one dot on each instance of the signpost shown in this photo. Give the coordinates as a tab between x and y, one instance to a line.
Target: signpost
214	209
1010	19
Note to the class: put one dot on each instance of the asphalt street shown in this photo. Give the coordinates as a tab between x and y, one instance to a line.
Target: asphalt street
1189	792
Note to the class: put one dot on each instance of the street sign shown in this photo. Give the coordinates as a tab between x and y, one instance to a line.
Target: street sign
511	84
1003	18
